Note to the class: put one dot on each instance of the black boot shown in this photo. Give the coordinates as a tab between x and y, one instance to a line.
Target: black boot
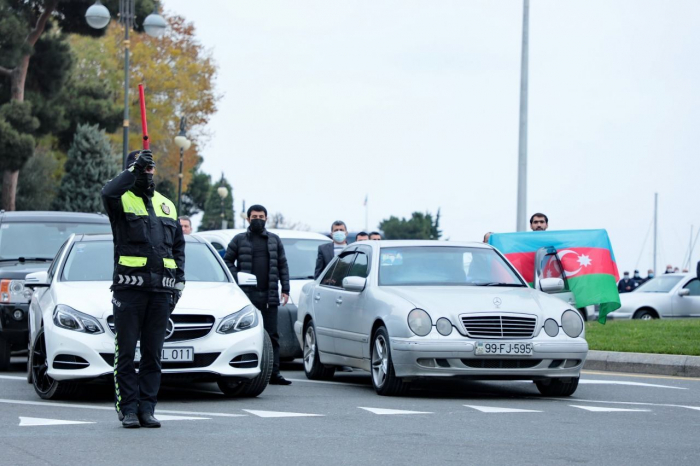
148	420
277	379
131	421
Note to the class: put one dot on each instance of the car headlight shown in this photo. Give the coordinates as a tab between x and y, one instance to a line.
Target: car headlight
571	323
551	327
244	319
419	322
12	291
444	326
68	318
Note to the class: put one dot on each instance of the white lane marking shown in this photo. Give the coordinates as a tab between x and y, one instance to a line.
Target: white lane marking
383	411
491	409
37	421
600	409
110	408
13	377
278	414
165	417
622	382
328	382
636	403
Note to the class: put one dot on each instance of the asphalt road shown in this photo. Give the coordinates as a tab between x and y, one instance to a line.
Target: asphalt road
615	419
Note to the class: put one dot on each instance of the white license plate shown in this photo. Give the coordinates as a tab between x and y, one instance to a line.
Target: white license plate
486	348
173	354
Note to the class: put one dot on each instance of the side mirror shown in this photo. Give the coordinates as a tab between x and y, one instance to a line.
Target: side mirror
354	283
247	279
551	285
683	292
37	280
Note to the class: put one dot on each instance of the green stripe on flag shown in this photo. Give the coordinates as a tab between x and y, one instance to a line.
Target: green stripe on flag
596	289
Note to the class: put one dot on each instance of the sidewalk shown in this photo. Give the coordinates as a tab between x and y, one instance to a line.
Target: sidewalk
644	363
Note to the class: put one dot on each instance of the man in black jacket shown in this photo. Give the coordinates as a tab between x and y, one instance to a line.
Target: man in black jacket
149	276
261	253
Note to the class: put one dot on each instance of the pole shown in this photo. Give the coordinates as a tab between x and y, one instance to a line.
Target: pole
690	248
179	180
522	140
223	225
367	214
125	137
656	219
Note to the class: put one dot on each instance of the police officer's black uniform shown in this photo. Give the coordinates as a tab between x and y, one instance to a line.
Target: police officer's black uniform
149	258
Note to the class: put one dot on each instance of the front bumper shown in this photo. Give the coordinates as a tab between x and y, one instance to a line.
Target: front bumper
13	330
554	358
212	353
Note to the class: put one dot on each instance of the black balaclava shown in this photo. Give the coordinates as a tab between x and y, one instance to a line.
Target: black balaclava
144	185
257	225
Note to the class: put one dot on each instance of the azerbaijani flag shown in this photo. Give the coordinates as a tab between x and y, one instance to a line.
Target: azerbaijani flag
586	256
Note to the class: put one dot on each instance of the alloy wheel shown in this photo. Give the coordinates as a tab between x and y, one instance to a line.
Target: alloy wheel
647	317
380	361
309	348
40	365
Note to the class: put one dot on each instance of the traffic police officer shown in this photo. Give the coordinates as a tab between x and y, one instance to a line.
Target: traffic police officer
149	276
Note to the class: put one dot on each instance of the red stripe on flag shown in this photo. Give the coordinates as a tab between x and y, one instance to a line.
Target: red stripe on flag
577	262
524	262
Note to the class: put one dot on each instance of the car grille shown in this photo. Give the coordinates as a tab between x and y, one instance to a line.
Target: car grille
501	363
187	326
200	360
499	326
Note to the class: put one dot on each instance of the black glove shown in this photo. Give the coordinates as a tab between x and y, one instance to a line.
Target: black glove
145	159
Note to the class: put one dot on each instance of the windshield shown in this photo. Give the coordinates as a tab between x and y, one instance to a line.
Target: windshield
301	256
448	265
93	261
661	284
41	240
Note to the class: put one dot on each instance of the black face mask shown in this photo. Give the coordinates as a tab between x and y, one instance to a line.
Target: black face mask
257	225
144	184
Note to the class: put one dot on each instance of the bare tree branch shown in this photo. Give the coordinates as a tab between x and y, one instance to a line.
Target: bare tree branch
5	72
41	22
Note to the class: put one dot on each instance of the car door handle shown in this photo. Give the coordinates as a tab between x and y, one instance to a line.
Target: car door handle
317	297
339	300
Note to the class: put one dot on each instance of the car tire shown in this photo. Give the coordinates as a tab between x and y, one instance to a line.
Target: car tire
557	387
46	387
384	378
313	367
255	386
5	353
644	315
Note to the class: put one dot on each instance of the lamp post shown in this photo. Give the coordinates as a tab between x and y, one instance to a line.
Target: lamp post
223	193
183	143
98	17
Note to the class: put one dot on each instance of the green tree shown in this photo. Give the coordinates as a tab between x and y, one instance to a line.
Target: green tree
194	199
419	226
17	142
90	164
39	180
212	212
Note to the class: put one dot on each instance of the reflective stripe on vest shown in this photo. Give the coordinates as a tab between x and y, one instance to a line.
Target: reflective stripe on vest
163	207
169	263
132	261
131	203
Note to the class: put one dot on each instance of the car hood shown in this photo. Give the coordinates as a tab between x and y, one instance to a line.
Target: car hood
95	298
452	301
634	299
19	270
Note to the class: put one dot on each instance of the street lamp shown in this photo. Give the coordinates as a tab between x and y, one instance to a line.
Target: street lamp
97	16
183	143
223	193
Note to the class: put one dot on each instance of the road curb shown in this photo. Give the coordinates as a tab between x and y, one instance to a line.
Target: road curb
644	363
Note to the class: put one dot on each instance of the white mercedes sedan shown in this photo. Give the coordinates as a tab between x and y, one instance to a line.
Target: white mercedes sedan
407	310
213	334
673	295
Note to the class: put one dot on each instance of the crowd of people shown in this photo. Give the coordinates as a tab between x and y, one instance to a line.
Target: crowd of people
627	284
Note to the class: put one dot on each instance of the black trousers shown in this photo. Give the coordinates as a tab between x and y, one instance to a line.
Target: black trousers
269	314
138	315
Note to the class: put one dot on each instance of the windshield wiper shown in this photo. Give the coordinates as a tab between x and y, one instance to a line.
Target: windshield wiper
516	285
25	259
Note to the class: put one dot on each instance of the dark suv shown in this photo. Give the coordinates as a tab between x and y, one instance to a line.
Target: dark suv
28	243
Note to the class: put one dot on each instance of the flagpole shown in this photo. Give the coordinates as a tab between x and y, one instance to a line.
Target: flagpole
366	214
656	217
521	221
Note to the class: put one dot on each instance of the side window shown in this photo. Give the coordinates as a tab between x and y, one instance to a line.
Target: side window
218	246
341	269
361	266
54	263
694	287
327	277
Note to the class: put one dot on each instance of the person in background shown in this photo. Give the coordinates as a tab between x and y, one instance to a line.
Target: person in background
186	224
375	236
637	279
669	269
650	275
626	284
362	236
326	252
487	236
539	222
676	270
261	253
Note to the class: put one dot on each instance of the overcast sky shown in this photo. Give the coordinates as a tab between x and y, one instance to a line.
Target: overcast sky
415	104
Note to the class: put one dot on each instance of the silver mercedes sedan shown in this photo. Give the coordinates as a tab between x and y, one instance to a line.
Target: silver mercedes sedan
407	310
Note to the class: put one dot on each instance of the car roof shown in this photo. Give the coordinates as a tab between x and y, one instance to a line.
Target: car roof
88	237
230	233
421	243
46	216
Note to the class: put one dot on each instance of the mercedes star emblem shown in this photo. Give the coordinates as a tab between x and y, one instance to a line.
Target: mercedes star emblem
169	329
497	302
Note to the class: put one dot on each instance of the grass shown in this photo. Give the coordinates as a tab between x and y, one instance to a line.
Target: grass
646	336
